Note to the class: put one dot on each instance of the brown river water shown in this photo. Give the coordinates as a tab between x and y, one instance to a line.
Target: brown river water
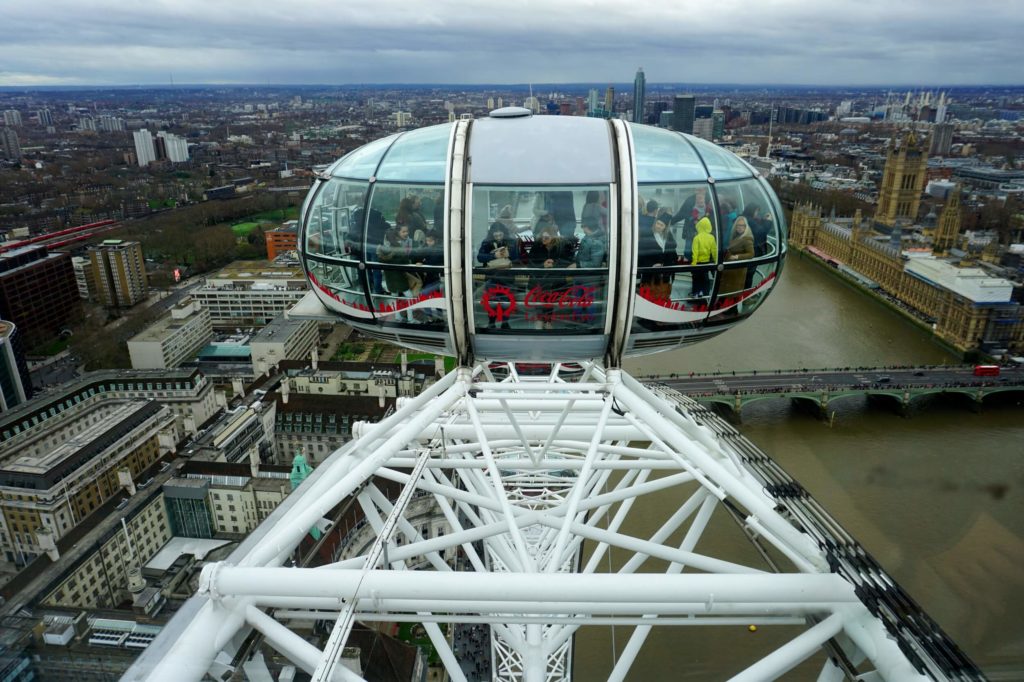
936	497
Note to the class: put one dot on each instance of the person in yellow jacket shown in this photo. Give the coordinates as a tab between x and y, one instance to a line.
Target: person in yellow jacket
705	250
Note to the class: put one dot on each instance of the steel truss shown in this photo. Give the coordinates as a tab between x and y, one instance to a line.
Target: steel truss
536	479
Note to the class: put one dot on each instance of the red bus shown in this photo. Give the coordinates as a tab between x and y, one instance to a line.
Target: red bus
986	370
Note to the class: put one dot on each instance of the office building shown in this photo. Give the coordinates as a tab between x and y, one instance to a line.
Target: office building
145	153
639	91
250	293
173	339
683	107
282	239
903	180
704	128
15	385
609	100
307	422
12	117
58	467
942	139
282	339
187	392
101	579
119	272
217	499
244	436
9	144
717	125
38	292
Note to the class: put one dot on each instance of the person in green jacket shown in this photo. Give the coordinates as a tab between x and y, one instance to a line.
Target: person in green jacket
705	250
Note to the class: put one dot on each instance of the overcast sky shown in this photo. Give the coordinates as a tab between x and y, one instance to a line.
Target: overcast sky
826	42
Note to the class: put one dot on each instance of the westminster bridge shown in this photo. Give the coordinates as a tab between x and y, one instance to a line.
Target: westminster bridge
899	387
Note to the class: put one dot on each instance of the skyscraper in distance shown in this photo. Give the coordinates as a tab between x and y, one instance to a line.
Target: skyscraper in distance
639	90
682	113
175	147
941	139
609	99
10	146
144	147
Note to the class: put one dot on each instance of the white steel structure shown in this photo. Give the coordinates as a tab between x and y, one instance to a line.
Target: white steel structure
574	499
537	478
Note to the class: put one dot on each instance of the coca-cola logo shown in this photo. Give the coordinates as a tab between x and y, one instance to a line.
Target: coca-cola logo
570	304
578	296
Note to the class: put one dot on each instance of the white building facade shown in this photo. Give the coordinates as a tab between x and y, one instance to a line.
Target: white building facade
173	339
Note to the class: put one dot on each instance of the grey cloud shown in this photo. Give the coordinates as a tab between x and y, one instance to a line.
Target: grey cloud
788	41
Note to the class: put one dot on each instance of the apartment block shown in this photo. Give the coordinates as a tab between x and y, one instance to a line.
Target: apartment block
173	339
119	272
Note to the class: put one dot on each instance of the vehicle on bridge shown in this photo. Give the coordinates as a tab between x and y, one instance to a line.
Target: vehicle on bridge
986	370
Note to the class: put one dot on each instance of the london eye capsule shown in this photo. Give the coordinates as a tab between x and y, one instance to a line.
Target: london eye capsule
520	237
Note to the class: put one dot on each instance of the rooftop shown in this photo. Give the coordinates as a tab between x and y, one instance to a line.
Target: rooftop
165	327
971	283
279	329
116	419
257	271
176	547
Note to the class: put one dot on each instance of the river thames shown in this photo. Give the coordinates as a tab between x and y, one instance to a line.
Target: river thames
936	497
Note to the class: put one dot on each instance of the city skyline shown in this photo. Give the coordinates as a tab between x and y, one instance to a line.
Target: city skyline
313	41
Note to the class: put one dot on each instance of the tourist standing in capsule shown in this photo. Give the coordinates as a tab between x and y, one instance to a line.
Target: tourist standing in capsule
705	251
657	250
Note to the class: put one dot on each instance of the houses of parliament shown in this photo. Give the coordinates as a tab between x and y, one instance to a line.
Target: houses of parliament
966	307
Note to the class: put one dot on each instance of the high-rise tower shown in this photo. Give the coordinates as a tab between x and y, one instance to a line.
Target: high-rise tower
15	384
609	99
119	272
639	90
682	113
942	139
144	150
10	147
902	182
